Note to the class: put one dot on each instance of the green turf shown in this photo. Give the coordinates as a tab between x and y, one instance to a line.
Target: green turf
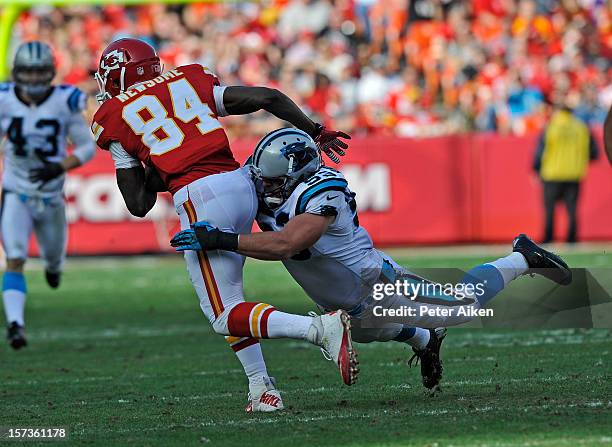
122	355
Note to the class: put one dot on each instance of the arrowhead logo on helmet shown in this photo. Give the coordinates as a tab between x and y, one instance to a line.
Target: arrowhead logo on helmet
111	61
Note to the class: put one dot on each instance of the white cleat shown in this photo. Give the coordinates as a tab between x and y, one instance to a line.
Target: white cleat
264	397
337	345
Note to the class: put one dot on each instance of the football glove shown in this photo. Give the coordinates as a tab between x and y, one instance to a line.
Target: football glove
329	141
48	171
203	236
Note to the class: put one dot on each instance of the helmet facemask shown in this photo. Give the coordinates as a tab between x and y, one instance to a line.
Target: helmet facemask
34	82
275	191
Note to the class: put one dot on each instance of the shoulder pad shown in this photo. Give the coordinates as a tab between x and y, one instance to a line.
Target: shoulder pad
198	69
324	185
76	99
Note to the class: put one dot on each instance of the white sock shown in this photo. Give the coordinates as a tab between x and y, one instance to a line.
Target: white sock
511	266
284	325
14	305
315	331
420	338
253	363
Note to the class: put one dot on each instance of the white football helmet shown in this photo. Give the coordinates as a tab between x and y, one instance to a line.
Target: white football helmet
281	160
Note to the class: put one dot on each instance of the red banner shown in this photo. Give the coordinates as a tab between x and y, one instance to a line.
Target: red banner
467	188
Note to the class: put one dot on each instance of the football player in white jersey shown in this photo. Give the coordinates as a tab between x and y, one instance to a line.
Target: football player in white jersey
309	218
37	118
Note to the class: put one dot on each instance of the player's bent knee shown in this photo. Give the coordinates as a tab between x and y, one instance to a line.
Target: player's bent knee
220	323
244	320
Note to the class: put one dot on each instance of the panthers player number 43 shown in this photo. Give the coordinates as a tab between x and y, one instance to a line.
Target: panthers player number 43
38	119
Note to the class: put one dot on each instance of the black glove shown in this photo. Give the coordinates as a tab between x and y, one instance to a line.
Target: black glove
329	142
48	171
211	238
203	236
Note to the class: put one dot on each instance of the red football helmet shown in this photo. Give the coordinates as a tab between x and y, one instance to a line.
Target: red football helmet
123	63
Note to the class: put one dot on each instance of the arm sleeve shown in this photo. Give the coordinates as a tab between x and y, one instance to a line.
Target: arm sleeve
78	132
218	95
122	159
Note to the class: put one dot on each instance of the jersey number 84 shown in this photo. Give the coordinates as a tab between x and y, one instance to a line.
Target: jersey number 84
159	132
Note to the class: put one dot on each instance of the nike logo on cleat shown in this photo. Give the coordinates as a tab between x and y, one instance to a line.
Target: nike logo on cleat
269	399
329	198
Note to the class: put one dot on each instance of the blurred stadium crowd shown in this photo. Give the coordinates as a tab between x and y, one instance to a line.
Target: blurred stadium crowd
404	67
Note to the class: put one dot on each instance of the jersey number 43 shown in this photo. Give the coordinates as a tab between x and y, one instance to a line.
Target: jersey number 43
17	138
160	132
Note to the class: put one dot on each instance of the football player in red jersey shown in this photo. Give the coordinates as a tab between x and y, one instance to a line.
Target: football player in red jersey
168	123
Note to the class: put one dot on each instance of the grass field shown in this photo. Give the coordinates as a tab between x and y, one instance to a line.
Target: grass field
122	355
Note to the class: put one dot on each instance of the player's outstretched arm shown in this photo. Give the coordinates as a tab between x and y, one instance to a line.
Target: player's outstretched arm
138	199
608	135
299	233
242	100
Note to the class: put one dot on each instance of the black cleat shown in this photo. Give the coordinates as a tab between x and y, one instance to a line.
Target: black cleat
16	336
53	279
542	261
431	364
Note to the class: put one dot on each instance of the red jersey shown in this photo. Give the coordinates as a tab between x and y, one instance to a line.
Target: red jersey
170	123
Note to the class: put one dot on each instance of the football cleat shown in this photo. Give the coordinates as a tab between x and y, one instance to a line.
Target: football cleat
53	279
542	261
264	397
431	364
337	346
15	334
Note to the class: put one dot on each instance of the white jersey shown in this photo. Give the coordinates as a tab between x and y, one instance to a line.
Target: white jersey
338	271
40	131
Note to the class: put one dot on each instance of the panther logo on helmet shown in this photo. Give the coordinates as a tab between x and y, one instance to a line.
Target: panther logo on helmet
281	160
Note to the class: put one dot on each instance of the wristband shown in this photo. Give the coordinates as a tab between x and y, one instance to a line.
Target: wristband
216	240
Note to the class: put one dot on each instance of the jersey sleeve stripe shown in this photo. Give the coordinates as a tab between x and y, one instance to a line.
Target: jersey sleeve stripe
96	130
73	100
324	186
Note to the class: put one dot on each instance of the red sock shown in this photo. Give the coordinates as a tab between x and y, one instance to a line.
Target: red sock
249	320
